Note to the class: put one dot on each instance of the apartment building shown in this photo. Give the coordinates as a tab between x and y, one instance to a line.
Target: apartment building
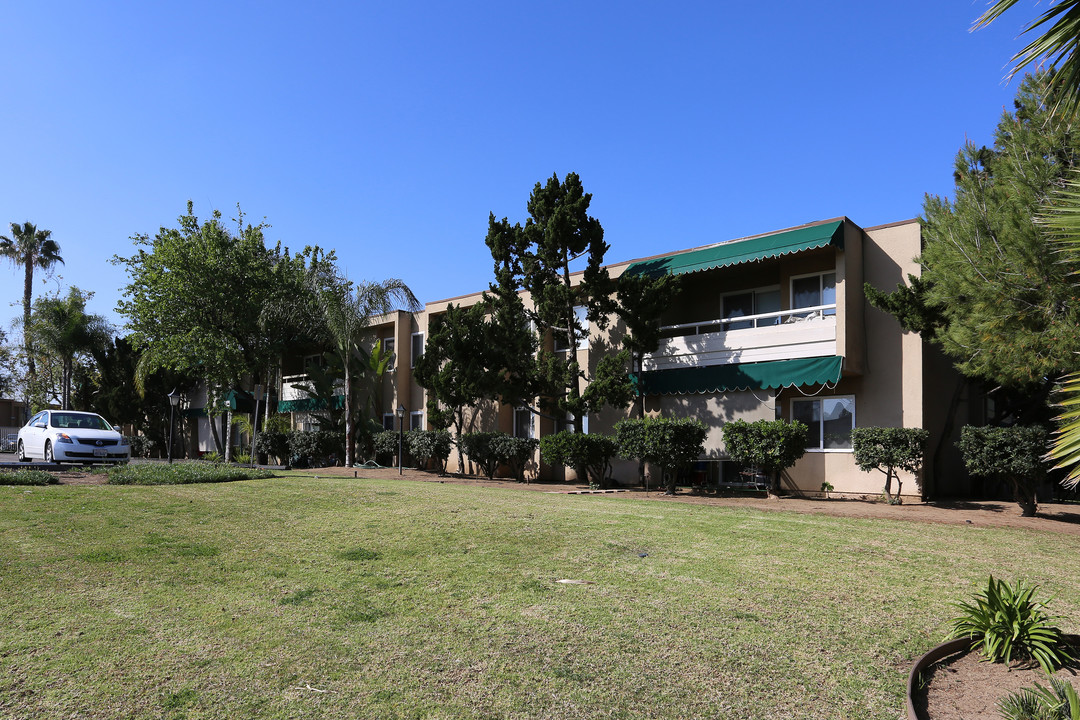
770	326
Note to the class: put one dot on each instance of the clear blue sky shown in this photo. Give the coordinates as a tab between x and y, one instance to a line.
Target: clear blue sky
388	131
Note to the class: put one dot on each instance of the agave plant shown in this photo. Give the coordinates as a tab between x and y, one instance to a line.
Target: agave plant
1007	622
1060	701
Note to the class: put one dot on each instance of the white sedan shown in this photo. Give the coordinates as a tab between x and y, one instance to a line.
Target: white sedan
71	436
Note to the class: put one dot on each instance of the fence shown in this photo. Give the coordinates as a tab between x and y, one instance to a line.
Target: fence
7	438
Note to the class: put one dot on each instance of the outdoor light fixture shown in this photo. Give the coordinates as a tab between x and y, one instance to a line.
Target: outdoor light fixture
174	401
401	437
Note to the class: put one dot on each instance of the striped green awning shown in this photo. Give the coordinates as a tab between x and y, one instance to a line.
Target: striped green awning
309	403
735	252
745	376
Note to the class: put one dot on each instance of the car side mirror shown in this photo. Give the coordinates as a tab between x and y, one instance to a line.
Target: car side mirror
39	424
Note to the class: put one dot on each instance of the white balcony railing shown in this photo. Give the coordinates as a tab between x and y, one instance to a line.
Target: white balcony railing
783	335
292	387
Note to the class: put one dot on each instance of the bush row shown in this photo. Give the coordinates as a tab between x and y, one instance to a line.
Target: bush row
26	477
181	473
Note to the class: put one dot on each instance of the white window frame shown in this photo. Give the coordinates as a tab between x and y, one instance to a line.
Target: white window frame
821	289
820	448
414	423
390	346
413	355
581	314
529	432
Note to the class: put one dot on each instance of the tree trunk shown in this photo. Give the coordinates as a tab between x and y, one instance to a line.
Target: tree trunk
66	381
1024	493
888	486
459	424
227	432
28	294
212	421
348	413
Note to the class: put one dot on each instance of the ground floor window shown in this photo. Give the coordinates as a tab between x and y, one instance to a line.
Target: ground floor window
523	419
388	421
416	420
829	421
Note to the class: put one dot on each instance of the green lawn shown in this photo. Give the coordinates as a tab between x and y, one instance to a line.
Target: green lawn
341	598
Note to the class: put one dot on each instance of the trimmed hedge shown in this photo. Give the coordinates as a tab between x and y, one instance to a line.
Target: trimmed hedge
27	477
182	473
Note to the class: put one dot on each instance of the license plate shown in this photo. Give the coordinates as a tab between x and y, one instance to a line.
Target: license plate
101	452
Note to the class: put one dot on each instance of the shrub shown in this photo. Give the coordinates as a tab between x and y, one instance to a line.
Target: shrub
515	452
480	447
182	473
590	455
889	450
386	446
1011	454
141	446
429	445
213	456
26	477
242	459
1060	701
1006	622
273	443
314	447
772	446
670	443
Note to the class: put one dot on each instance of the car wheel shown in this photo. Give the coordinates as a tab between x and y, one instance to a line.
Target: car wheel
48	452
22	454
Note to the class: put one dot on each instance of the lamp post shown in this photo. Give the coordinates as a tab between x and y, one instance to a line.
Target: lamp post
401	437
174	400
255	423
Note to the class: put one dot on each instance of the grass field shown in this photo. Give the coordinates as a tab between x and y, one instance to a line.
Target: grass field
335	598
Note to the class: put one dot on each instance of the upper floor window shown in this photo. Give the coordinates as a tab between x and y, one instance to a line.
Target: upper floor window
829	421
523	422
581	332
388	346
417	348
814	290
313	361
752	302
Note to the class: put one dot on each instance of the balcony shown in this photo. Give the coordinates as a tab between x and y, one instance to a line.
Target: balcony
294	398
784	335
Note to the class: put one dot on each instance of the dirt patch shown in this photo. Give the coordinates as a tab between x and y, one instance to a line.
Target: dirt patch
1059	518
962	687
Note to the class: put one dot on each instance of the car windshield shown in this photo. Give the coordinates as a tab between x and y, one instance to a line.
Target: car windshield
80	421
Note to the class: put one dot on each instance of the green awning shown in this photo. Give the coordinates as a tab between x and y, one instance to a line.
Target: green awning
735	252
745	376
309	403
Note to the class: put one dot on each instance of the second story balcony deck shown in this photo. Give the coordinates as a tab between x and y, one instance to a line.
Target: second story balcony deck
782	335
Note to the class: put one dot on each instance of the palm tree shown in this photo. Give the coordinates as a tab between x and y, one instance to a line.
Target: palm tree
62	328
346	309
1057	45
28	248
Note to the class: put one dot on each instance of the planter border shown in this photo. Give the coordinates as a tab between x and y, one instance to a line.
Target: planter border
949	647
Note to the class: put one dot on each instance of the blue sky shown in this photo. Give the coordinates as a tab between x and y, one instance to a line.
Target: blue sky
388	131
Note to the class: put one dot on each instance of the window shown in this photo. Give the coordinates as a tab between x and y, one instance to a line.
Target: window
562	340
313	361
417	348
812	291
388	421
416	420
829	421
388	345
754	302
567	423
523	419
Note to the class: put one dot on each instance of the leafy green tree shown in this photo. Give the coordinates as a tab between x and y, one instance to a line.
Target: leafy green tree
457	368
29	248
641	303
1015	455
772	446
482	449
7	365
199	301
589	455
62	327
889	450
516	452
673	444
536	257
429	446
